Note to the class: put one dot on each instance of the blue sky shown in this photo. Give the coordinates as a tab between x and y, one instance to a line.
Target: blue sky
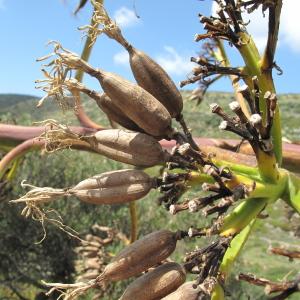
165	31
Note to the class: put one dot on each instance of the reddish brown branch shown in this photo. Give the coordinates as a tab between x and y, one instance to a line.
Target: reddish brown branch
82	116
17	152
33	144
15	134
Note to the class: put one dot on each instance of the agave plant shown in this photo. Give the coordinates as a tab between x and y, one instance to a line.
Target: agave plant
238	188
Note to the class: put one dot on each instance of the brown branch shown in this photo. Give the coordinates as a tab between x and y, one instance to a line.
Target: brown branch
286	287
285	252
274	20
82	116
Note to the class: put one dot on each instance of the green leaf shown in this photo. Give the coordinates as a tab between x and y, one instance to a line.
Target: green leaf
292	195
236	246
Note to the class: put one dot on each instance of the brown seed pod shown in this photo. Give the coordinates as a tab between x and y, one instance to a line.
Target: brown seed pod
88	275
140	256
89	249
153	78
92	263
115	114
156	284
114	187
129	147
184	292
136	103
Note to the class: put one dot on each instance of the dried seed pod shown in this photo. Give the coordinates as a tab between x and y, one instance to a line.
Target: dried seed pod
184	292
89	249
136	103
92	263
88	275
129	147
157	283
115	114
114	187
140	256
153	78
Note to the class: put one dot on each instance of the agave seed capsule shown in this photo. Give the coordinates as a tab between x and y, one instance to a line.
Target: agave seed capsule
129	147
140	256
157	283
114	187
137	104
114	113
153	78
184	292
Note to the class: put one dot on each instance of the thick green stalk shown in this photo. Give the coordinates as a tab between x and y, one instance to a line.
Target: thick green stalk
253	67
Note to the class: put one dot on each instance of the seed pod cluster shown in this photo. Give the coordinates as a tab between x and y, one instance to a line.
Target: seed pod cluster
114	113
140	256
153	78
157	283
136	103
114	187
149	74
129	147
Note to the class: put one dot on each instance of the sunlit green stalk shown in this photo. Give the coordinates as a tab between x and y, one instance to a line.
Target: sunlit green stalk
253	67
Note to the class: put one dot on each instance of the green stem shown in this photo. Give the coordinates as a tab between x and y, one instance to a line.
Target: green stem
292	193
218	293
242	215
85	55
253	61
223	58
251	172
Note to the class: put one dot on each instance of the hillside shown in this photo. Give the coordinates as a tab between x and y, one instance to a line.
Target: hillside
22	109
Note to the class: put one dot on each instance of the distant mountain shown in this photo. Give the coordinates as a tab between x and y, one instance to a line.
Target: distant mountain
8	100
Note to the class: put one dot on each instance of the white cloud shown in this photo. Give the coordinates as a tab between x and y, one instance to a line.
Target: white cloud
289	25
121	58
125	17
289	34
173	63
